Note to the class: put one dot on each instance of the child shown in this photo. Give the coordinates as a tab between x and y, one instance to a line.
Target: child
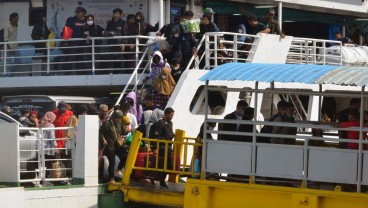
157	64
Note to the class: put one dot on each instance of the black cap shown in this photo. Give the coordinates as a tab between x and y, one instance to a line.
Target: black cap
13	15
271	11
80	9
62	105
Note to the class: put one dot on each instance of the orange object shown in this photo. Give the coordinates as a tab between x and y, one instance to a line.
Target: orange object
67	33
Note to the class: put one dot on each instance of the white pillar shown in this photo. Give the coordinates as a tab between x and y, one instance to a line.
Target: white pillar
85	165
192	5
161	11
9	147
167	13
343	32
280	14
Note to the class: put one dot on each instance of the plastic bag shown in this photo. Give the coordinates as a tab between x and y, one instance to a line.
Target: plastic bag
159	43
190	26
51	42
67	33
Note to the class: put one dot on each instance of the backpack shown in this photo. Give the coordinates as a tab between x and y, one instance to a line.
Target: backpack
267	129
153	131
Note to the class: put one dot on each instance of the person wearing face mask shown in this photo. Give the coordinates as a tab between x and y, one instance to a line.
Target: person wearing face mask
172	34
144	27
135	108
157	64
163	86
91	29
176	70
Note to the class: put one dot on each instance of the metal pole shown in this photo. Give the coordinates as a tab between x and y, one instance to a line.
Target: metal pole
167	13
272	97
254	146
161	11
320	103
280	14
48	58
360	155
207	50
204	145
93	56
5	57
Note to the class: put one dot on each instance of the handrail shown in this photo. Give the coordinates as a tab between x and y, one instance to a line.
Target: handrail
40	170
131	77
87	58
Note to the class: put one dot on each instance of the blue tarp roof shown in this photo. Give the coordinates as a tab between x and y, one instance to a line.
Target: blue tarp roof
309	74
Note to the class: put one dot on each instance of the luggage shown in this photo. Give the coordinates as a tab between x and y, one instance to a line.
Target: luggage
141	162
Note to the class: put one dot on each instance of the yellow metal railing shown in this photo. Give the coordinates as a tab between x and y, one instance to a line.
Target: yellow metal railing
182	147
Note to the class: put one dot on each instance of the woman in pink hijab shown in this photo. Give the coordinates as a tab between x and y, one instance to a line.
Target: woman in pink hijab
135	108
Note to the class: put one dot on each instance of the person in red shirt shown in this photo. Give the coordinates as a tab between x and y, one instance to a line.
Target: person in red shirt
62	116
353	121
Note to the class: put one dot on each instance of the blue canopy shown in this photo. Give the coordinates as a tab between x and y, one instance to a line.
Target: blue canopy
309	74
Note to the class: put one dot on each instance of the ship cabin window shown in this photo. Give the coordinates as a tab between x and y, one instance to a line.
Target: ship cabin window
331	106
247	96
300	103
216	101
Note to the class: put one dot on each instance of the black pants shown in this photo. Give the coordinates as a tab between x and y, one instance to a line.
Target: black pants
162	175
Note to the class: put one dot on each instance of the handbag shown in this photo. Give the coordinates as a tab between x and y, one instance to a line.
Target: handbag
67	33
119	139
51	40
58	170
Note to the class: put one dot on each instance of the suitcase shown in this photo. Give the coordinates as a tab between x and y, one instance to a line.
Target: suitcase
141	162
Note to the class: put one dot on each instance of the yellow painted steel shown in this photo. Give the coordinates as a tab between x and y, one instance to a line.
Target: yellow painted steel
132	156
216	194
200	193
177	152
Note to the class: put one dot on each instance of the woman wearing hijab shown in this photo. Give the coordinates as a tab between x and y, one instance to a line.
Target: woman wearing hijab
49	137
157	64
135	108
163	86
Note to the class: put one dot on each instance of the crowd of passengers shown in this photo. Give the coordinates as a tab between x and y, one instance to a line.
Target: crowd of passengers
118	124
349	117
182	44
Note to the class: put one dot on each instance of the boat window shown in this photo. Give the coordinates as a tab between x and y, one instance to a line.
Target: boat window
333	105
300	103
245	95
216	102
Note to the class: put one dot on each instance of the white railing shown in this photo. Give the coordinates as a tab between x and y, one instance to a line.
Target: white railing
313	51
233	51
121	54
51	164
99	55
304	157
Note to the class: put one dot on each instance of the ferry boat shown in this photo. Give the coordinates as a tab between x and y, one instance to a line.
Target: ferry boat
301	70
